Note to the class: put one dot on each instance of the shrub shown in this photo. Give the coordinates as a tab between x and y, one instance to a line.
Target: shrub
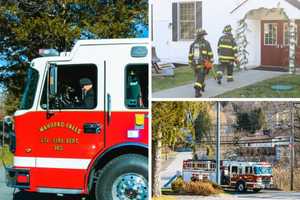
215	185
178	185
204	188
200	188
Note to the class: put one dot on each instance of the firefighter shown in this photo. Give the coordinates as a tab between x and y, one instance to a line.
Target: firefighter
200	59
134	92
227	51
88	96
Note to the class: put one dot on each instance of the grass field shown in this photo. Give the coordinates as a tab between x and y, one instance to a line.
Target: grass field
6	156
183	75
264	89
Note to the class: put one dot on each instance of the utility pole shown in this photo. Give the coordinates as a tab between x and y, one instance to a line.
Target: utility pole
218	164
292	146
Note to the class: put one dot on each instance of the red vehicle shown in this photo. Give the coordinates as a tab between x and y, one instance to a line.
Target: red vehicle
245	176
239	175
83	122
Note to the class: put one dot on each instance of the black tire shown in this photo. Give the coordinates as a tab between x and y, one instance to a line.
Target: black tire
256	190
241	187
115	170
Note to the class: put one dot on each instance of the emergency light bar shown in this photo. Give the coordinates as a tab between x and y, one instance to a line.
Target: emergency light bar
48	52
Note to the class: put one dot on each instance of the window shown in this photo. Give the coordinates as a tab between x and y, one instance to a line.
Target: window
136	86
76	88
186	18
187	21
270	34
248	170
286	34
234	170
28	96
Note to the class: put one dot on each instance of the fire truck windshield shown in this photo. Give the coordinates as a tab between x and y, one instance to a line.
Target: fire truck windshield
263	170
29	89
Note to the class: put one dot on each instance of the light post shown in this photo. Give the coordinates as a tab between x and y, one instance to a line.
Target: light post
218	164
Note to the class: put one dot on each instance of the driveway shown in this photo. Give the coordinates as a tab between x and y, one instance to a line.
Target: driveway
174	166
263	195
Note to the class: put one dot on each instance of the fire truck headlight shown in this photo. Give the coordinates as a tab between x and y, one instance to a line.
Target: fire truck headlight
133	134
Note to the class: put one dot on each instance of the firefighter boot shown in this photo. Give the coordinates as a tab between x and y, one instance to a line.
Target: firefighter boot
219	81
198	93
230	79
219	77
198	87
203	87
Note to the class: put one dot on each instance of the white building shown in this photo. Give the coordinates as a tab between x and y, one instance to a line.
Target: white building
174	23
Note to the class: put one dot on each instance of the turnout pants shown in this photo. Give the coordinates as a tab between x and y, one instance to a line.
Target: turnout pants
200	74
226	68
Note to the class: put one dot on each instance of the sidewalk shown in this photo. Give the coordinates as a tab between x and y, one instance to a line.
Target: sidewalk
242	79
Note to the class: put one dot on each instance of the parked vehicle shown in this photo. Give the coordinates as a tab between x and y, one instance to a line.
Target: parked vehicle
82	127
234	174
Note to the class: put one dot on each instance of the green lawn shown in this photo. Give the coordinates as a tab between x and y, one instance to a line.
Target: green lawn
264	89
7	156
183	76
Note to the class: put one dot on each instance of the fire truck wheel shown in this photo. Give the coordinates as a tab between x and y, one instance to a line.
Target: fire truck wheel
240	186
125	177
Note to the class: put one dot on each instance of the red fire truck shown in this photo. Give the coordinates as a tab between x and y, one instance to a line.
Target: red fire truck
82	125
234	174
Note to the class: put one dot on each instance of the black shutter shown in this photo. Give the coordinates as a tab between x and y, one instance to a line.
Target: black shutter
174	22
198	14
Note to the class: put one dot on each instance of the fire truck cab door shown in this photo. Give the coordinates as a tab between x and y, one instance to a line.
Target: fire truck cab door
70	128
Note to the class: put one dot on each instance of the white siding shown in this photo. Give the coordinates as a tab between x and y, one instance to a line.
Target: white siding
216	14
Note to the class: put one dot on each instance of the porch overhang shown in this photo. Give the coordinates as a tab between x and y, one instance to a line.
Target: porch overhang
272	10
269	6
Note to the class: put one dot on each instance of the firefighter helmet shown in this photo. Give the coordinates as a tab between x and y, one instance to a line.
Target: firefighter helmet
200	32
227	29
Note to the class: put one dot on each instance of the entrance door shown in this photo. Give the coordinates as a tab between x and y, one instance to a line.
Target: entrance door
70	135
275	43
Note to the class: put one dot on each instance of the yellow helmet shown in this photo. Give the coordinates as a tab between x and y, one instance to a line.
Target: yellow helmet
200	32
227	29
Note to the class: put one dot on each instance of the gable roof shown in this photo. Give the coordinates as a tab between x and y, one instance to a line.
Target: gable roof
295	3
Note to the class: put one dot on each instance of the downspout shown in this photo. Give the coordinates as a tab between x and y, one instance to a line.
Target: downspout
292	46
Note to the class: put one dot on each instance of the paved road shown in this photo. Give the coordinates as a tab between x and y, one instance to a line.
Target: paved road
174	166
7	193
263	195
242	79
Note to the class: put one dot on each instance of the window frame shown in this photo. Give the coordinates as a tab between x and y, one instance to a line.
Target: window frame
70	109
273	23
179	20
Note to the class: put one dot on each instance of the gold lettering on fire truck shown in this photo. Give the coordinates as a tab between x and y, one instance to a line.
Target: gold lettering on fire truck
59	142
66	125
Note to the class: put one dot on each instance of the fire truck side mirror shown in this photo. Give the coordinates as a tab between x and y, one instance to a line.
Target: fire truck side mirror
51	87
8	123
53	80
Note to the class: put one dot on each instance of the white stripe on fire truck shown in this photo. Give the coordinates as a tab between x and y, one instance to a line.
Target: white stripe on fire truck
60	163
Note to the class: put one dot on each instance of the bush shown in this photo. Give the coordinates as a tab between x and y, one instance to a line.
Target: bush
178	185
200	188
215	185
204	188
